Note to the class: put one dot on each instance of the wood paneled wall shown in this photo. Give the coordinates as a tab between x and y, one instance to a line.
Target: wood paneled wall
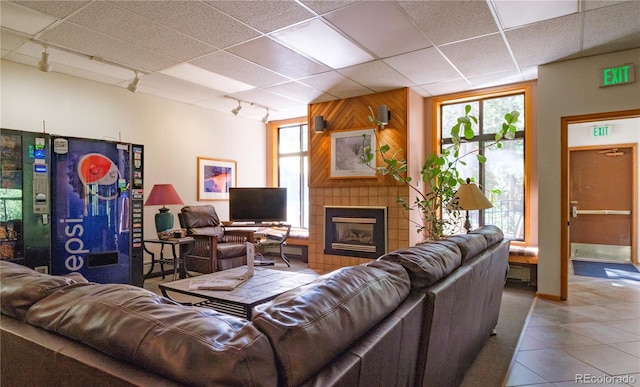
352	114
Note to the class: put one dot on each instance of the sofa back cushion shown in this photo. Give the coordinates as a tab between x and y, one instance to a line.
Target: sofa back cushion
310	325
194	346
491	233
21	287
470	244
427	263
199	216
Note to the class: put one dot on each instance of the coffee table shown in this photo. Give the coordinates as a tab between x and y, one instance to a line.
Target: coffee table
263	286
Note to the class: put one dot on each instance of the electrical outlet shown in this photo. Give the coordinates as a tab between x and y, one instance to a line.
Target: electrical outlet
42	269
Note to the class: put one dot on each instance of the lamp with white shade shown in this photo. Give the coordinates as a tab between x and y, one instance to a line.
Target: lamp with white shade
468	197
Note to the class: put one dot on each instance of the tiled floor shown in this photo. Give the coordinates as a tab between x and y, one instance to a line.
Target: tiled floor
592	338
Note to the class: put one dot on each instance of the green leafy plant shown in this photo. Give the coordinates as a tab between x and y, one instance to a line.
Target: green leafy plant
438	215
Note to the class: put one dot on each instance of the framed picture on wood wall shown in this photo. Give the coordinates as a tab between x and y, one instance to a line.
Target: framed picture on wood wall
215	177
347	153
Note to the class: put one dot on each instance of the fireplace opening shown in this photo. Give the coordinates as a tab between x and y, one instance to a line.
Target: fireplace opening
355	231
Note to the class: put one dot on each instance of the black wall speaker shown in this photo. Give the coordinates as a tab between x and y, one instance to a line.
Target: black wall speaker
319	124
384	115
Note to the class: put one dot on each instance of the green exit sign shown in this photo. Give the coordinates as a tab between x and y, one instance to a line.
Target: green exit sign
618	75
601	131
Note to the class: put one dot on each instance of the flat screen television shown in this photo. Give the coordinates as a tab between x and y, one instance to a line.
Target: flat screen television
258	205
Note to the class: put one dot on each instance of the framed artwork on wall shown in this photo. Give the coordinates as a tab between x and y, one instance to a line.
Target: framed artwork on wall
347	153
215	177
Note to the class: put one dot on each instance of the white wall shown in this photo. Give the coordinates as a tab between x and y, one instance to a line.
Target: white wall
174	134
569	88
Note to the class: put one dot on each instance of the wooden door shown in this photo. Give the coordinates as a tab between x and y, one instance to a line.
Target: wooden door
601	194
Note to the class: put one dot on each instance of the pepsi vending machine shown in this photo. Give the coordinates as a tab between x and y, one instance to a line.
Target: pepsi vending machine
96	209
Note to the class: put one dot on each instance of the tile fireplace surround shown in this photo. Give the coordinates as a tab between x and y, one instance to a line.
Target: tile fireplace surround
398	226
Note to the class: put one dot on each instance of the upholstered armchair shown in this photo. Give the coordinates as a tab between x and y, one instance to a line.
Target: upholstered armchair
215	248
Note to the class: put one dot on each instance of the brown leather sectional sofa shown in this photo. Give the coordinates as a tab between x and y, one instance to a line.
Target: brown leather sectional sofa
417	316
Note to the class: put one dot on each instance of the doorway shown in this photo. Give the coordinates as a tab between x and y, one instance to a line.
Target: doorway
565	205
601	198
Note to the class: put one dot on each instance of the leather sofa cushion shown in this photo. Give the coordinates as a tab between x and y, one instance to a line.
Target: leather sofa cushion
199	216
470	244
427	263
491	233
21	287
195	346
311	325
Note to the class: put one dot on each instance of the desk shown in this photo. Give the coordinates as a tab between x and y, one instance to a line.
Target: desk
176	259
270	240
265	285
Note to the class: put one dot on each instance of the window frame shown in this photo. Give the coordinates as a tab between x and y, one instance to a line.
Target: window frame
273	154
521	88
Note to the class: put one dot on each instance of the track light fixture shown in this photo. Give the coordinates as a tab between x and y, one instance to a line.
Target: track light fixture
265	118
133	86
44	64
237	109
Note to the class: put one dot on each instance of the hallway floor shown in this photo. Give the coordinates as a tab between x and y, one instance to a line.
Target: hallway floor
592	338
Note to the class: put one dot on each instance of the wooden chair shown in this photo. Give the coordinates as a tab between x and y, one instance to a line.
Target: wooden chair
215	248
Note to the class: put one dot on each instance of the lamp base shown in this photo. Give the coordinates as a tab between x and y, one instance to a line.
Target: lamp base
164	220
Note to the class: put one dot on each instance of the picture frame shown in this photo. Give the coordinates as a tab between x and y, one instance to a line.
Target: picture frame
347	150
215	177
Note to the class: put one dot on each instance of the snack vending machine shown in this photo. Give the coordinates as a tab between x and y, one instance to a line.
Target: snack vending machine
25	232
80	206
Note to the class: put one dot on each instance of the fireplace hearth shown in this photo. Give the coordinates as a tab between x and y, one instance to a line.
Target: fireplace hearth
355	231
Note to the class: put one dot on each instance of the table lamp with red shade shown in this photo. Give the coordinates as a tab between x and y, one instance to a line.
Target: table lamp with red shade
162	195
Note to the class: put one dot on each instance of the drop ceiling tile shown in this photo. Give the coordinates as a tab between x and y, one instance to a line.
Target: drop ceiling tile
59	9
10	41
600	33
232	66
479	56
25	20
448	87
377	76
395	35
414	64
159	81
264	16
451	21
519	13
336	84
323	6
300	92
129	27
274	56
555	39
89	42
593	4
194	18
495	79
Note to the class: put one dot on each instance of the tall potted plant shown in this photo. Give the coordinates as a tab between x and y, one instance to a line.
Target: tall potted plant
438	215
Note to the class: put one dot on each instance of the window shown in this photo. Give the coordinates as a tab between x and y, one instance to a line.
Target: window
504	169
293	172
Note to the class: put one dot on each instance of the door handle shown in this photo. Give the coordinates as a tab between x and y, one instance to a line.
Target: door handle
574	211
601	212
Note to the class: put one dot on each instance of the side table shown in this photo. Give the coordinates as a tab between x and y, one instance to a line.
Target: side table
176	259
